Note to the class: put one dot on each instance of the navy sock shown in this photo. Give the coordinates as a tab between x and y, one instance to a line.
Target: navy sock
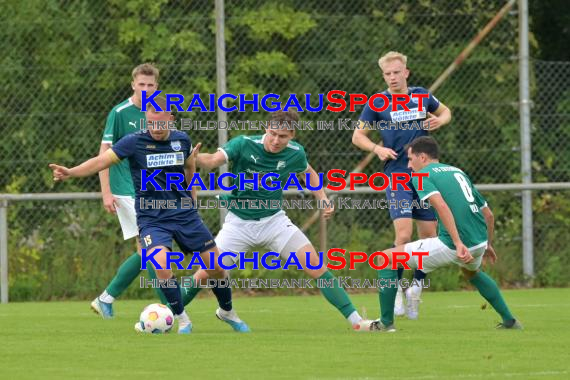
419	275
174	297
223	294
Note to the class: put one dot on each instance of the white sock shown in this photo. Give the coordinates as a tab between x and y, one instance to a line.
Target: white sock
106	297
183	318
354	318
416	290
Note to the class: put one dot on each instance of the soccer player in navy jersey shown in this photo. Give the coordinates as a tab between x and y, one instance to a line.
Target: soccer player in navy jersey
397	129
171	151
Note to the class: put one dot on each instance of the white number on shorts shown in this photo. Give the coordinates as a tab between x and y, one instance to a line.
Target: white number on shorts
147	240
465	187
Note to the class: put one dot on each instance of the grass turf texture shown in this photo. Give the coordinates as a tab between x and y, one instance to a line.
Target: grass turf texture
293	337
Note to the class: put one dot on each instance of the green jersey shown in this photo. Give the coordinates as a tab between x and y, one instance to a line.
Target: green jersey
247	155
461	197
125	118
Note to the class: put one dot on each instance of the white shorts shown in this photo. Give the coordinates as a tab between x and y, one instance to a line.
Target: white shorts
127	216
441	255
273	233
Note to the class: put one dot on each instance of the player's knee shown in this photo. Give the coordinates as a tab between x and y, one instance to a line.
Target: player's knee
469	274
217	272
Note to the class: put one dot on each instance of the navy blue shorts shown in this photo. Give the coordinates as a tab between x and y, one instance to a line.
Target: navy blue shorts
407	204
191	235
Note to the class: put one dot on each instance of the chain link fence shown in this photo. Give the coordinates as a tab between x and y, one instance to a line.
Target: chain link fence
67	63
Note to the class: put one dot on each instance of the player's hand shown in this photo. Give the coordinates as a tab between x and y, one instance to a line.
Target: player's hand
433	122
196	150
385	153
110	203
60	173
328	211
490	255
463	253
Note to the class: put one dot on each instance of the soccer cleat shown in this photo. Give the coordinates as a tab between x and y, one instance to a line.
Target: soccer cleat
514	325
184	328
377	325
104	309
399	309
365	325
412	305
231	318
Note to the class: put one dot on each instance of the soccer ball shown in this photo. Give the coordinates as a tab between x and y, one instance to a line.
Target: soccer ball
156	318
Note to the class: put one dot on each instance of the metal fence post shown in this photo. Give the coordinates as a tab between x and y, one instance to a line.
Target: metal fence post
526	153
3	251
221	85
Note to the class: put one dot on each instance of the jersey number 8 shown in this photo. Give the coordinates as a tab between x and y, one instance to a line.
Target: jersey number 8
465	187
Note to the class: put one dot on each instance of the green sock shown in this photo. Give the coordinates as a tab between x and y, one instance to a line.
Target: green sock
159	293
387	295
335	294
127	273
189	293
490	291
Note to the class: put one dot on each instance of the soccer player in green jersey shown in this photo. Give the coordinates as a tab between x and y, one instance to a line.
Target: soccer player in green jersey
465	236
245	227
117	186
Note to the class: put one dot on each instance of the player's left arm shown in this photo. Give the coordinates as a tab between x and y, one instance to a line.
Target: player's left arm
320	194
446	216
438	118
87	168
490	222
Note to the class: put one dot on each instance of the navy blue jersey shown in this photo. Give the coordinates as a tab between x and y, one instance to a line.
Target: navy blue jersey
146	153
397	138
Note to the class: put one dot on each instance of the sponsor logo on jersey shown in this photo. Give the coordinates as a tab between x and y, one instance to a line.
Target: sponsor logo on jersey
254	158
151	146
175	145
281	164
164	159
413	114
133	124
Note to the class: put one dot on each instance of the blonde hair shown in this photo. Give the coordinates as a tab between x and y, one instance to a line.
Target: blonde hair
392	56
146	69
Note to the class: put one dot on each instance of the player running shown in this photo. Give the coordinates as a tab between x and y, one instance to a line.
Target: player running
391	151
466	227
246	228
170	151
117	187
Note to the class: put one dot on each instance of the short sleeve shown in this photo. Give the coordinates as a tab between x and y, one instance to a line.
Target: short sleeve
109	128
428	188
433	103
233	148
126	146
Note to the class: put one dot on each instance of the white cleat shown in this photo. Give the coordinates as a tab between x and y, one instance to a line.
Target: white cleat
399	308
412	305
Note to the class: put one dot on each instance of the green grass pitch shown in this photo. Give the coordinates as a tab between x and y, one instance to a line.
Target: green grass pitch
299	337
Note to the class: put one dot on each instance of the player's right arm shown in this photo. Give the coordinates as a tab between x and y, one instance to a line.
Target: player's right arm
109	201
87	168
361	140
